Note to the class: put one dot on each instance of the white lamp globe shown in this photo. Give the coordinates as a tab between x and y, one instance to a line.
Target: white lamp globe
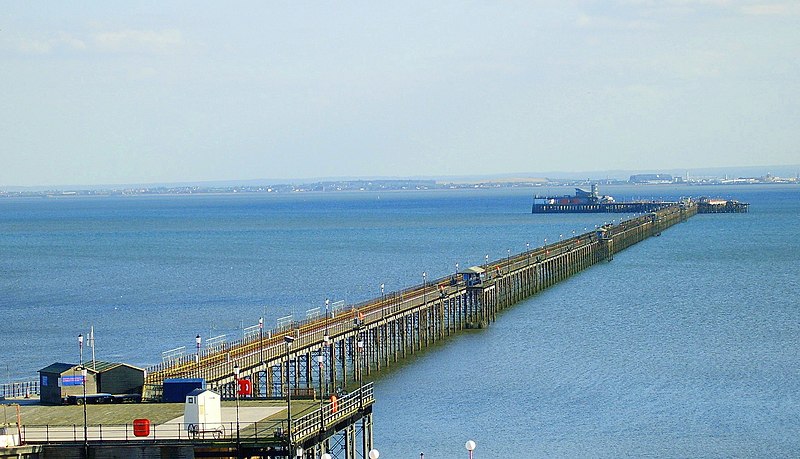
374	454
470	445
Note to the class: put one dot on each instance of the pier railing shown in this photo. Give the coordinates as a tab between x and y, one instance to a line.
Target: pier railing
323	419
331	414
19	389
263	431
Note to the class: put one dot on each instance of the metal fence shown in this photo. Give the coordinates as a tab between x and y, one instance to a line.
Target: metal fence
257	431
19	389
306	425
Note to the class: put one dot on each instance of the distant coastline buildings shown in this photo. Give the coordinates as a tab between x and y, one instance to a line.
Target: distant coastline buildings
393	185
653	178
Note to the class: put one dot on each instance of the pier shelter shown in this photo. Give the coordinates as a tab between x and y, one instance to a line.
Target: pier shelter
471	276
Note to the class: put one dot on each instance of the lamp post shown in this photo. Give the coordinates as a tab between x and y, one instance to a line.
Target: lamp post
326	339
470	445
300	451
83	383
236	390
360	345
486	267
288	339
261	338
85	422
424	287
327	313
197	341
319	362
508	261
383	302
528	251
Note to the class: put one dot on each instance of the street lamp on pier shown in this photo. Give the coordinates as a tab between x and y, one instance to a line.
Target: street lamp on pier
383	302
327	313
360	345
80	348
236	390
83	401
470	445
528	251
320	360
424	286
326	339
197	341
508	260
288	339
261	338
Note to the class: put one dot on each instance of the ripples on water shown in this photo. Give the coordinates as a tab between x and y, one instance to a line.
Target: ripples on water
683	346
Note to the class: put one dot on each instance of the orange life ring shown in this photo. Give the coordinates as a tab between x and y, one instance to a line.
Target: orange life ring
334	404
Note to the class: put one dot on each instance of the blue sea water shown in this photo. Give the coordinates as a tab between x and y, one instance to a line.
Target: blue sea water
685	345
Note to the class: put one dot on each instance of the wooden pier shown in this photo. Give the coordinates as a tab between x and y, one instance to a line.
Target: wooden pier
323	355
601	208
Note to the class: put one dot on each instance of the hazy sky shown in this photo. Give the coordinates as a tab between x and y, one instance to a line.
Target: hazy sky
134	92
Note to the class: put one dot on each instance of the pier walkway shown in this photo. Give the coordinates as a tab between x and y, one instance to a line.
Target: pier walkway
318	356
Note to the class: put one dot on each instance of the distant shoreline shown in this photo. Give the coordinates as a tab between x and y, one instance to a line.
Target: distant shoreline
377	185
369	186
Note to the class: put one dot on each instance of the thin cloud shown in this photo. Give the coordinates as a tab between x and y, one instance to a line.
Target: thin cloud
139	41
772	9
586	21
47	45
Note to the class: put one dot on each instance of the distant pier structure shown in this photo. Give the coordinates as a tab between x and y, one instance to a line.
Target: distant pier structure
584	201
721	206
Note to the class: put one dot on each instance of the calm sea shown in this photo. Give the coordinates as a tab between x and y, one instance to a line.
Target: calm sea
685	345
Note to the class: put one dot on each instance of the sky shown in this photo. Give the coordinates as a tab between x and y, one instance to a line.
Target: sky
182	91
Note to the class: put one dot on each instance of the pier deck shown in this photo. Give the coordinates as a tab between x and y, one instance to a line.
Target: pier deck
346	345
